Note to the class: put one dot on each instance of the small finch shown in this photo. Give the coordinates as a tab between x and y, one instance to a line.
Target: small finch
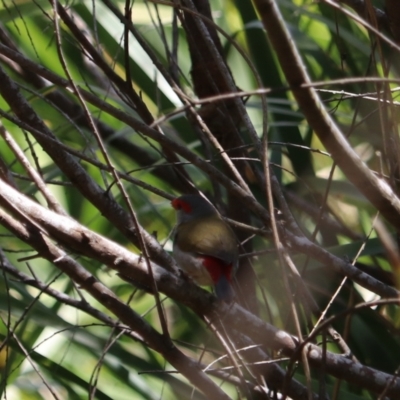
205	246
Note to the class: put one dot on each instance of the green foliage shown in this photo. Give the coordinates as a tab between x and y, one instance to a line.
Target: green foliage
48	344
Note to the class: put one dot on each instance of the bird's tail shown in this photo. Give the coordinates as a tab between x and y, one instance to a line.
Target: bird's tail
224	289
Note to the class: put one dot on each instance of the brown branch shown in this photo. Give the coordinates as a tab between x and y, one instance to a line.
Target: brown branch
359	7
19	154
138	103
377	191
273	374
79	304
32	234
80	239
299	243
334	364
73	111
133	217
74	171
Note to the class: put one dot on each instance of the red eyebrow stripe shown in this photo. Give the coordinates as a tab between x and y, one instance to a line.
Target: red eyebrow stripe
181	205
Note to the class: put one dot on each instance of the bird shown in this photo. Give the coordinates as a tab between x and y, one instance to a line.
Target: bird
205	246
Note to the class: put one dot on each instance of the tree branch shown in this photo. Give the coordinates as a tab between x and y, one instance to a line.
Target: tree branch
376	190
68	232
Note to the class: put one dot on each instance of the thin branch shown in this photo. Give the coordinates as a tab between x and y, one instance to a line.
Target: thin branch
377	191
83	241
34	236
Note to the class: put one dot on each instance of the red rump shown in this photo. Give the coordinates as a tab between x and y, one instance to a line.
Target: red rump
178	204
216	268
